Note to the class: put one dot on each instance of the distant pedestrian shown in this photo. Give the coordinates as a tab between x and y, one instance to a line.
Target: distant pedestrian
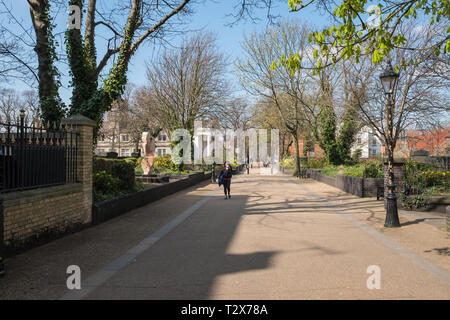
226	174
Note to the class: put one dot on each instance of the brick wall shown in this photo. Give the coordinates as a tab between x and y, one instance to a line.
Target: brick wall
352	185
371	185
316	175
361	187
30	215
46	212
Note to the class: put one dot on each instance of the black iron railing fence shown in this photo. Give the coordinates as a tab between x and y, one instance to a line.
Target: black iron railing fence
36	156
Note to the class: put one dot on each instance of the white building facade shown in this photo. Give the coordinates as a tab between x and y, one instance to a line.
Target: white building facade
368	142
124	147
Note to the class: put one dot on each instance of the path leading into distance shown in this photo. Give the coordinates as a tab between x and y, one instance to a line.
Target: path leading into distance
276	238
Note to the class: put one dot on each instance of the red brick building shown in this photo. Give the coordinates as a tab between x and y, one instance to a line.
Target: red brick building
316	153
436	142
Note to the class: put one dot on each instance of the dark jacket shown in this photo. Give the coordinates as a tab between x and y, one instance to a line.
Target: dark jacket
227	174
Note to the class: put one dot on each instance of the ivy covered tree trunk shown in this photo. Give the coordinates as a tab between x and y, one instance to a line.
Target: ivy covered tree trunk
87	99
84	86
347	134
327	134
308	145
52	109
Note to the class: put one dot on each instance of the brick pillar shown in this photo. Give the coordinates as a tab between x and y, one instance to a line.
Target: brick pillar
85	127
399	177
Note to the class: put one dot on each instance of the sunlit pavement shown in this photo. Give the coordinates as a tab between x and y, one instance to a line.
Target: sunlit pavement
276	238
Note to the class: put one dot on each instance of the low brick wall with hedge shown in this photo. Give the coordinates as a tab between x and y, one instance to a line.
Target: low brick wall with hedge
352	185
104	210
361	187
316	175
150	179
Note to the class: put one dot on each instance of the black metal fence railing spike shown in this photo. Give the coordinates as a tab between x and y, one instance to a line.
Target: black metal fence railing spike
36	156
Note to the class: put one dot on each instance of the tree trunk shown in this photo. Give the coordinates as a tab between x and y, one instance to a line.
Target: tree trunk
48	89
286	151
89	36
296	155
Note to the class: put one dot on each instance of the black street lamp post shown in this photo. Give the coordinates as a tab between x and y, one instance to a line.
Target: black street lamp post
389	80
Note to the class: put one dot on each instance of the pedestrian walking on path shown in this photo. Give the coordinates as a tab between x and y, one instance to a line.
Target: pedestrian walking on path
225	179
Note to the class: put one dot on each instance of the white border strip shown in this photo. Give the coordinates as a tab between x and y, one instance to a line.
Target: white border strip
105	273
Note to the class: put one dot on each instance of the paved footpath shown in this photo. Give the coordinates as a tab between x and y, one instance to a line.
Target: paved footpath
277	238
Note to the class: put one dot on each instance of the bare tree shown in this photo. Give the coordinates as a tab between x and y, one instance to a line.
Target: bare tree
30	100
247	10
234	114
265	114
281	86
421	97
10	105
16	57
187	83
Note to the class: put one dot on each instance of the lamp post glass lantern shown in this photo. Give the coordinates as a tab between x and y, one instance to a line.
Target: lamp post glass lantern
389	80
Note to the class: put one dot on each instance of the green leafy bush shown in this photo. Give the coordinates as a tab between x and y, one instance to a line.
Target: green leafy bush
354	171
134	161
357	155
426	176
287	162
413	175
415	201
434	178
138	170
373	169
330	170
124	171
105	183
317	163
112	177
103	164
164	161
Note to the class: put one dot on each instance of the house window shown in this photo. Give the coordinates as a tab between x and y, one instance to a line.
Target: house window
125	152
162	137
101	138
447	139
161	152
124	138
359	140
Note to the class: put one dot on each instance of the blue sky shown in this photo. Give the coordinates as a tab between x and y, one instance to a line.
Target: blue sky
209	16
213	17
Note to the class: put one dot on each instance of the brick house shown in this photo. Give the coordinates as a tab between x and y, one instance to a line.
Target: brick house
436	142
317	152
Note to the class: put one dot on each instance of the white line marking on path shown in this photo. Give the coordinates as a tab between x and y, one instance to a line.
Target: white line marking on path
102	275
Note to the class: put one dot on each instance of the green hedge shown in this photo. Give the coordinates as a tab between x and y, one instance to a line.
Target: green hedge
369	169
119	169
